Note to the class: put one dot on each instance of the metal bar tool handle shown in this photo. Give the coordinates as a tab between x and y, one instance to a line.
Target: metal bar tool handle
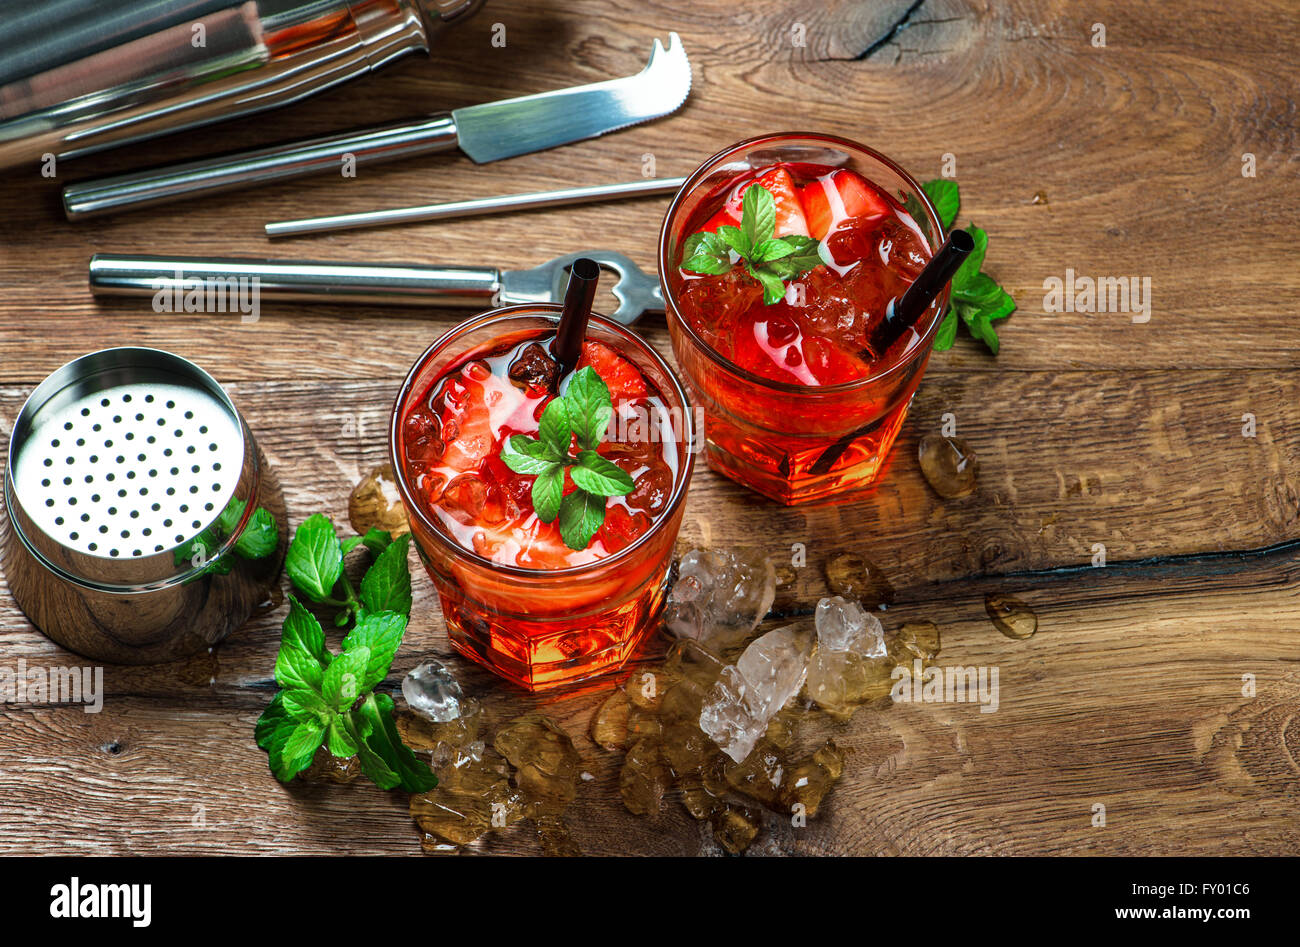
301	281
250	168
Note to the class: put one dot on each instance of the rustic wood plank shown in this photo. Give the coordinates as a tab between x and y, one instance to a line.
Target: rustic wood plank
1016	93
1129	696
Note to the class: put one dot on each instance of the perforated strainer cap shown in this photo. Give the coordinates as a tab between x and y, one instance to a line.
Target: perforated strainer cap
119	461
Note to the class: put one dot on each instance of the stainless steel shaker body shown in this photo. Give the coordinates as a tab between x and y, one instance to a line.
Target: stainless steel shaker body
142	522
80	76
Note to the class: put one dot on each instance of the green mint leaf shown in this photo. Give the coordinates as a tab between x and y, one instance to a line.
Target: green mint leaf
274	726
970	268
383	756
298	669
376	539
315	558
982	289
527	461
706	265
773	286
773	249
302	704
691	245
733	238
380	635
597	475
302	657
548	491
947	334
386	586
706	253
985	294
806	256
260	536
1003	309
295	754
339	741
713	245
757	216
945	197
979	324
589	407
581	514
342	685
376	768
554	427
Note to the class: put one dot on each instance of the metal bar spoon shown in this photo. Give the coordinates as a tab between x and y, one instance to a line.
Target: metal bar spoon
472	208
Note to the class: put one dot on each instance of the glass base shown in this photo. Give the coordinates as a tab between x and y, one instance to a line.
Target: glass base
791	471
541	654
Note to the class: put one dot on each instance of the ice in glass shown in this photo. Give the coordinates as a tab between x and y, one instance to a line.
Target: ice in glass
519	593
775	307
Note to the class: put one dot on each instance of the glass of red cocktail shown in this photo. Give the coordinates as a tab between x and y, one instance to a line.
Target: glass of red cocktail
516	595
777	342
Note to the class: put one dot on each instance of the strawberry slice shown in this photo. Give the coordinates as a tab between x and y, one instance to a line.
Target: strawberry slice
836	197
789	211
625	383
466	421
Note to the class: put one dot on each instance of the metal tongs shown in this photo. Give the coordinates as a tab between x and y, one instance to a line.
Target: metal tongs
391	284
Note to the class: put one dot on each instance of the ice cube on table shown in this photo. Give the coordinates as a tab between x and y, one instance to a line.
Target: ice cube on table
774	667
845	626
748	694
432	692
846	670
720	595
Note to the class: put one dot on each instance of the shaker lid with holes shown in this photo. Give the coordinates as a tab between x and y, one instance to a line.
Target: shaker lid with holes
130	469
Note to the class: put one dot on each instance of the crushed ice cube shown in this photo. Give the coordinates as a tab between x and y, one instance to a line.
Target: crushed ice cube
748	694
432	692
720	595
844	626
846	671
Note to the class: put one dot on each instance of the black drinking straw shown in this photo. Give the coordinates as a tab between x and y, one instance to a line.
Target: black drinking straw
584	274
901	317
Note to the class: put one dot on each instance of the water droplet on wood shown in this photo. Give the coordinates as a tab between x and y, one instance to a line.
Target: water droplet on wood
1011	616
916	639
857	578
376	504
949	465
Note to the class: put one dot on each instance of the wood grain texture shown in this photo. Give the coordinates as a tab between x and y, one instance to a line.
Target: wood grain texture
1089	428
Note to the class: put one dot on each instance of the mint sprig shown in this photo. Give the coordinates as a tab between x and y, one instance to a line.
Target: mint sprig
771	261
976	298
583	414
328	698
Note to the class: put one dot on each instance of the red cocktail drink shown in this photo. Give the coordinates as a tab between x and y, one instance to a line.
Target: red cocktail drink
520	594
775	309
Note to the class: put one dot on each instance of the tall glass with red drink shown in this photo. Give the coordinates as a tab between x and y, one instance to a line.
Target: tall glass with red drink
779	343
519	593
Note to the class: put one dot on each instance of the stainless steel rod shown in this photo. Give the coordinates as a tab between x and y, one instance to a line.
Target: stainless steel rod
301	281
484	205
228	172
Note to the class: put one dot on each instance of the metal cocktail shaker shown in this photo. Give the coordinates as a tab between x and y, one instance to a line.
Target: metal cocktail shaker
80	76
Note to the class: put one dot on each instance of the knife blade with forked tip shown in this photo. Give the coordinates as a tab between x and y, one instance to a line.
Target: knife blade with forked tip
487	132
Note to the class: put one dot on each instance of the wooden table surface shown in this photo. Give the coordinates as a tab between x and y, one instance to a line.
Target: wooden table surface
1123	159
